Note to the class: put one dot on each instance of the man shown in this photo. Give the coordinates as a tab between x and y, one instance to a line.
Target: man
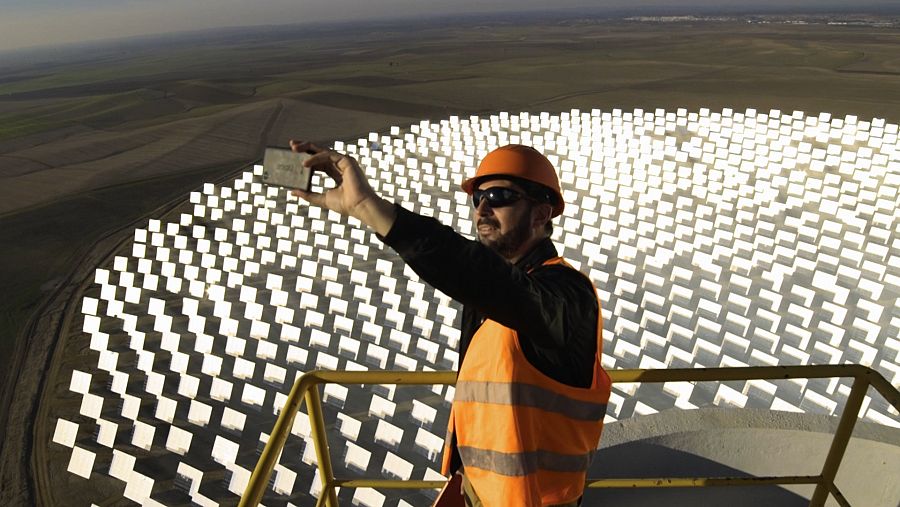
531	394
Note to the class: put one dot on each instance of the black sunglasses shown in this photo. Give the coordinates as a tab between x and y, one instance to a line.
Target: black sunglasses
497	197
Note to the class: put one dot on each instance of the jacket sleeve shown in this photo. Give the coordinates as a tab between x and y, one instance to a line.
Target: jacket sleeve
471	273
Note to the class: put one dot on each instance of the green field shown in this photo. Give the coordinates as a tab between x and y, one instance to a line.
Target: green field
90	144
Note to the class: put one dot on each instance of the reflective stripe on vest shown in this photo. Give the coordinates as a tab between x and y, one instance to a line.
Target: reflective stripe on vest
524	439
524	463
527	395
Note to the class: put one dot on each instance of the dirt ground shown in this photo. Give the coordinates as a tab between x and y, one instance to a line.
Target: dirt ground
92	144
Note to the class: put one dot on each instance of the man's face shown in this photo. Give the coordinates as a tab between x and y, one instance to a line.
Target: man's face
505	229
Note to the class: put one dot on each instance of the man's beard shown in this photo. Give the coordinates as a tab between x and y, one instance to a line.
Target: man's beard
506	244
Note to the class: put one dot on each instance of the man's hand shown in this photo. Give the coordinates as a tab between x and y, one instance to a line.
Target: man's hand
351	188
352	194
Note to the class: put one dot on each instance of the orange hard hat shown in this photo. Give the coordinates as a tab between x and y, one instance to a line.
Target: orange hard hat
518	161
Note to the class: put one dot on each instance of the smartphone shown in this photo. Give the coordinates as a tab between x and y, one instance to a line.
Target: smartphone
285	168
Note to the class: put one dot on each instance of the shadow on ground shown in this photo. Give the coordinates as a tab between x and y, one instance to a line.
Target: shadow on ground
639	459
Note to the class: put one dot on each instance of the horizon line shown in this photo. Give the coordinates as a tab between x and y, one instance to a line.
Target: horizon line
490	16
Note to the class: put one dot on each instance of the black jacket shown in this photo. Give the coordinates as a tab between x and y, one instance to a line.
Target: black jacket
553	308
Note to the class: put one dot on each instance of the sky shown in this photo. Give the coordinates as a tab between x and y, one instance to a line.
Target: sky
26	23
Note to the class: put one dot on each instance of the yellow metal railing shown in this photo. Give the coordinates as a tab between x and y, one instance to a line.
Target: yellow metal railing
306	387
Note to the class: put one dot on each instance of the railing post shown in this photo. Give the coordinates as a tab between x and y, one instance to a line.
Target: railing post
884	388
259	479
841	438
320	439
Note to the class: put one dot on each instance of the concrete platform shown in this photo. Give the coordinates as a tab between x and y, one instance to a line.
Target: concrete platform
743	443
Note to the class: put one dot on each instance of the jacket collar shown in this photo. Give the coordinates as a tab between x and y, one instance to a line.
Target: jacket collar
542	251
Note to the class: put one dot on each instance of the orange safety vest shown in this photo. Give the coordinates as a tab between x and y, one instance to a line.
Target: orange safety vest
524	438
